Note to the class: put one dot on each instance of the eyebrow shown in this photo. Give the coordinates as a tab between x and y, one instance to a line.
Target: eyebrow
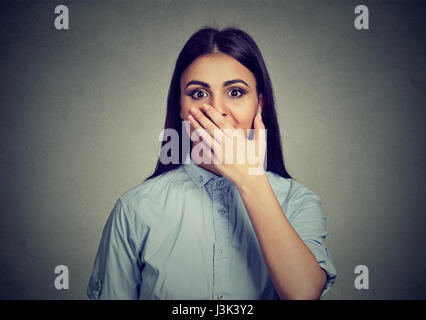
226	83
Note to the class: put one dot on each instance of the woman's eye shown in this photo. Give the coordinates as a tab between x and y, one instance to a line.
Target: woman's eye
236	93
198	94
201	94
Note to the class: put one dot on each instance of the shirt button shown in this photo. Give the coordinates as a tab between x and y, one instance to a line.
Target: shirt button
200	179
220	297
221	212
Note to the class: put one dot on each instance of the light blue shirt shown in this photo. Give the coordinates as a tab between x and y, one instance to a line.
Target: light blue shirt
186	235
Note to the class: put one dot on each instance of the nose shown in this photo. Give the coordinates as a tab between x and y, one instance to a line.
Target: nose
219	104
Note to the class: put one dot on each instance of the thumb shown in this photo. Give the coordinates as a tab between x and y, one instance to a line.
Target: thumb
258	124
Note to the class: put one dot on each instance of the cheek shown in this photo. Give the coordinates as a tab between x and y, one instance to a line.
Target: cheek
184	112
244	118
185	105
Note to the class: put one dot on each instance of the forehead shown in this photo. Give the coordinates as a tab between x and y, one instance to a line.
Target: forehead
217	68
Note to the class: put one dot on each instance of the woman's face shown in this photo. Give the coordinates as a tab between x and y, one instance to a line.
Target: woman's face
224	83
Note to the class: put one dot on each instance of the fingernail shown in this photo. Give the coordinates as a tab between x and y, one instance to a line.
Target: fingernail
193	110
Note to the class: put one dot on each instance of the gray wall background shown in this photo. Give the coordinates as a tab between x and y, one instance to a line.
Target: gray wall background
82	109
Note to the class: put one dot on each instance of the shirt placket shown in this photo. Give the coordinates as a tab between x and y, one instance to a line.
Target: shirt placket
221	258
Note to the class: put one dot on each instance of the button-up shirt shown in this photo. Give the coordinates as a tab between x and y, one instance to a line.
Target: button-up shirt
186	234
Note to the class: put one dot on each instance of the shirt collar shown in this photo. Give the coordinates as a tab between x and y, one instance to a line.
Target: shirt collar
201	176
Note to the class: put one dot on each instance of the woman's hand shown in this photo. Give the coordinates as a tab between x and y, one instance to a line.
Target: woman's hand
237	158
293	268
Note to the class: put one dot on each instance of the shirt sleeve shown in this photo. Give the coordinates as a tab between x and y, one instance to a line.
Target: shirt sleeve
116	271
308	219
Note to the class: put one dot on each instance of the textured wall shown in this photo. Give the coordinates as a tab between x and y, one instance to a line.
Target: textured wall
82	109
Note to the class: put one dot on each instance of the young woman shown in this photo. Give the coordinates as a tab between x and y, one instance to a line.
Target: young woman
211	229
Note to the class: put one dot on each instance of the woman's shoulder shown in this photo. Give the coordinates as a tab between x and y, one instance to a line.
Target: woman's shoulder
291	191
155	187
294	197
153	192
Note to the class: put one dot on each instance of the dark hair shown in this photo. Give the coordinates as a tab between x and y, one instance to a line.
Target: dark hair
238	44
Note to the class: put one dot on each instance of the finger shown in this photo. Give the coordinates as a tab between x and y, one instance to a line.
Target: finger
213	151
207	124
258	125
206	137
217	118
260	136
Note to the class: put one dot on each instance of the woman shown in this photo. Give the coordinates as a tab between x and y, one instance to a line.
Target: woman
210	229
